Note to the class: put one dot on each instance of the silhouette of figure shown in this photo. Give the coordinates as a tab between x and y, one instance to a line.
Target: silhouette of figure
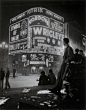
68	56
77	56
51	77
2	75
43	80
7	79
14	71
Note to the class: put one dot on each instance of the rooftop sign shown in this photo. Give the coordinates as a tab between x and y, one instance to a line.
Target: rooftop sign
37	10
36	30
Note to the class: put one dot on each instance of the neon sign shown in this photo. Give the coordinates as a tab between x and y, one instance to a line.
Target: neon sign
39	20
37	29
18	31
37	10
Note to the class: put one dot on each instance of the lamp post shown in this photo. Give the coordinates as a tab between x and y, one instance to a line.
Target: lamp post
3	46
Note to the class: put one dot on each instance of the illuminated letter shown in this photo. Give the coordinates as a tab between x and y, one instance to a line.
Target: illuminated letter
37	30
50	33
35	9
45	31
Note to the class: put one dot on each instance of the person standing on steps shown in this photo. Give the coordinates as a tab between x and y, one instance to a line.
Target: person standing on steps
67	58
2	75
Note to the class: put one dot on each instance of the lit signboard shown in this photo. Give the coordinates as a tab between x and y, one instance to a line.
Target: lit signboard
37	58
43	35
46	36
56	25
38	20
41	29
18	31
35	11
18	46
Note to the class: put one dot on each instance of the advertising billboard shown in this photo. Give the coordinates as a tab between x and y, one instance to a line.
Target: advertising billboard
18	46
37	11
46	34
37	58
18	31
36	30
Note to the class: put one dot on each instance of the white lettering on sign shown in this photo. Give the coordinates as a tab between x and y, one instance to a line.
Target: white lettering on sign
47	32
35	10
14	32
39	17
23	32
14	38
39	37
16	26
56	25
20	16
49	13
14	19
21	45
56	16
37	62
40	40
37	30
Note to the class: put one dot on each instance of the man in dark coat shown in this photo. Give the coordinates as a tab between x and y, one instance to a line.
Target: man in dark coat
2	75
7	79
51	77
14	72
77	56
67	58
43	80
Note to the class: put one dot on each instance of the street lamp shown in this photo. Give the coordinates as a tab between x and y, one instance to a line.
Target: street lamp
4	46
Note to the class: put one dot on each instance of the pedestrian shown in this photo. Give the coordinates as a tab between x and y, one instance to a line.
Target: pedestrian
67	58
7	79
2	75
51	77
14	72
82	57
43	80
77	56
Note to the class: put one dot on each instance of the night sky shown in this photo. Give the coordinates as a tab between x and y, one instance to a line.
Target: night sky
70	10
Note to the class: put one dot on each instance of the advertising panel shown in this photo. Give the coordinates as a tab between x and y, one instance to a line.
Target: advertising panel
37	11
36	30
18	46
39	20
37	58
18	31
56	25
46	39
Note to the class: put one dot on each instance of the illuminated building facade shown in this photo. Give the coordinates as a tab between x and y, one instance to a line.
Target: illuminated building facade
35	38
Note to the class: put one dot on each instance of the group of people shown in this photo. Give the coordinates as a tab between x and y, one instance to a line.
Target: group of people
6	76
68	57
47	80
79	56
